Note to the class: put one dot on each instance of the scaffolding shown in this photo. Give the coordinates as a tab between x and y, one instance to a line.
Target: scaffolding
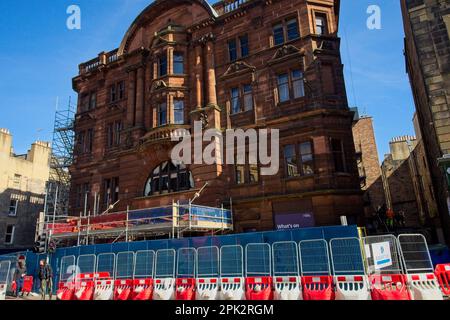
174	221
58	187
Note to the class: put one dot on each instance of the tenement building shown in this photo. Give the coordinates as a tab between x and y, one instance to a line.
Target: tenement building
427	50
272	64
22	191
368	164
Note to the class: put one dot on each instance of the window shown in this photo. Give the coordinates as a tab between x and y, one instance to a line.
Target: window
88	101
240	174
278	34
292	29
232	50
121	89
169	178
178	63
299	160
9	237
117	91
89	141
162	65
246	173
111	191
321	24
290	82
162	114
337	149
307	158
82	195
290	159
253	173
283	87
112	93
248	97
178	111
93	101
113	134
17	179
298	84
13	205
244	46
287	29
235	101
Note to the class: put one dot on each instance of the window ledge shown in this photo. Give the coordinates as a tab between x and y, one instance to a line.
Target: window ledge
241	113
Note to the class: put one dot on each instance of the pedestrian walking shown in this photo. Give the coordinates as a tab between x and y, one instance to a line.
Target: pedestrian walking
19	275
46	279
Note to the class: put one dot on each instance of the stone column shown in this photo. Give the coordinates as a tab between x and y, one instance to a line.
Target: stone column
211	74
198	67
170	61
140	94
131	97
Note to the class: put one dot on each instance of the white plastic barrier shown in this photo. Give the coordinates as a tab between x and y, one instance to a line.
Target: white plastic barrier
348	269
416	259
165	284
352	288
104	282
288	288
207	289
232	282
232	288
164	289
424	287
104	290
286	271
207	273
5	266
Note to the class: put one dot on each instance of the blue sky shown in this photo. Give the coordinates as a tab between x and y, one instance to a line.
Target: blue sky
39	56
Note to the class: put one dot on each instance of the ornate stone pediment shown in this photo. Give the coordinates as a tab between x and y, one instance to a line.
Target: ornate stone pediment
85	116
285	52
238	68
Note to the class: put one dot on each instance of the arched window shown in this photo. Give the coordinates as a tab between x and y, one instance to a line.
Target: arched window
168	178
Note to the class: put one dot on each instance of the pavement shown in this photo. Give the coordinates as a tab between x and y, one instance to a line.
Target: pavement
30	297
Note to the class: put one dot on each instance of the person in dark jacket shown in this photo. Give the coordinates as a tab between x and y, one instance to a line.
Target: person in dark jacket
19	275
46	279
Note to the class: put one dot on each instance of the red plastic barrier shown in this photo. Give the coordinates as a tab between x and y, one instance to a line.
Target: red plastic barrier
123	289
389	287
259	288
318	288
185	289
27	285
443	275
66	291
142	289
85	287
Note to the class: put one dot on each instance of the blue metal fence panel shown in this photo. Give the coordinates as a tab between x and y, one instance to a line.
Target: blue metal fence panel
326	233
346	256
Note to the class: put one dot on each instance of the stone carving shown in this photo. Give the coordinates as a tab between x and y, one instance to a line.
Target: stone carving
285	51
159	84
238	67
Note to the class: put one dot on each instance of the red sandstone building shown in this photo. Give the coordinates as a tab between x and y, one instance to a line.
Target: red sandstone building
236	64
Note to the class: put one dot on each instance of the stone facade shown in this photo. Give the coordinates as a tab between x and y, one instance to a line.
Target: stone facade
368	164
427	49
398	171
22	187
183	61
